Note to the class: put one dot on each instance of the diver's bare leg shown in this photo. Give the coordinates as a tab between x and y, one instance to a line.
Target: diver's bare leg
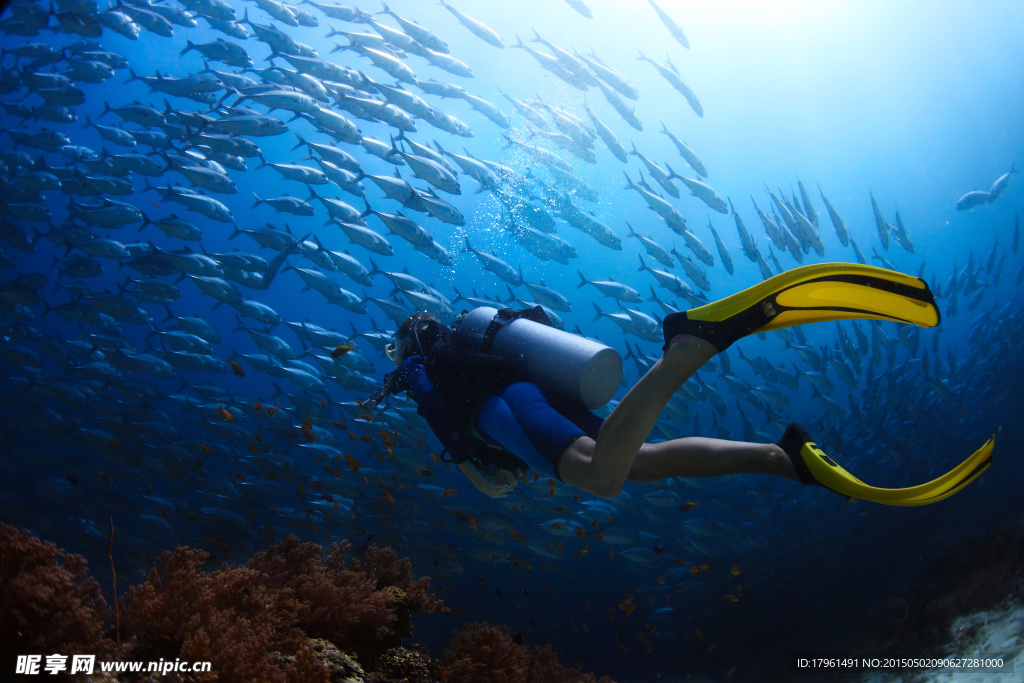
627	428
702	457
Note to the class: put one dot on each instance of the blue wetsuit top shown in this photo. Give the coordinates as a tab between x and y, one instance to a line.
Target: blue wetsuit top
412	376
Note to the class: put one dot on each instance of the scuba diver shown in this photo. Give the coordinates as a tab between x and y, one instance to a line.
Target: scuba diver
502	389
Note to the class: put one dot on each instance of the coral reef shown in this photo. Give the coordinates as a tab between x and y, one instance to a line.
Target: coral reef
406	664
228	617
340	667
294	612
975	575
365	606
481	652
287	593
47	601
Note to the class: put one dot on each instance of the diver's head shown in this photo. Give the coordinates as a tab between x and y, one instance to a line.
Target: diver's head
416	335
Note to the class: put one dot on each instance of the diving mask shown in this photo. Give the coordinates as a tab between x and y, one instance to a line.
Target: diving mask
396	350
421	331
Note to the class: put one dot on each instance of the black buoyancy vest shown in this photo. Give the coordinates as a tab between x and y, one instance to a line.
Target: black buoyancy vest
466	378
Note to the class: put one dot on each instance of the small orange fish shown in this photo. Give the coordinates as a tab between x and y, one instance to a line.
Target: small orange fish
338	424
516	535
252	448
388	497
730	672
342	350
307	430
236	367
365	437
448	492
581	532
730	598
225	414
691	505
153	203
735	570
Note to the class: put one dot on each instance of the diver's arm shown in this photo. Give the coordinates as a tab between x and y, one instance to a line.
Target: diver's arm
496	484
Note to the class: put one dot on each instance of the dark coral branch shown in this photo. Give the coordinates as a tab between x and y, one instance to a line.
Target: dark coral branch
113	571
481	652
47	601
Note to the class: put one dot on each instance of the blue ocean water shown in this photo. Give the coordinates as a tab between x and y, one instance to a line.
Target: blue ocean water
914	105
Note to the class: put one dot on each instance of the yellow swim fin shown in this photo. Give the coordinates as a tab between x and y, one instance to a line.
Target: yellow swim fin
813	293
814	466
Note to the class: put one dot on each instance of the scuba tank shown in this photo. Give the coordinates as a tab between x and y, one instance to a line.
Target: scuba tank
568	364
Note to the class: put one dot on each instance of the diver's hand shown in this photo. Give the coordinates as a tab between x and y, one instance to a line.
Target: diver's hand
496	484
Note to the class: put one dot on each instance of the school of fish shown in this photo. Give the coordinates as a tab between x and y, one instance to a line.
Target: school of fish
186	352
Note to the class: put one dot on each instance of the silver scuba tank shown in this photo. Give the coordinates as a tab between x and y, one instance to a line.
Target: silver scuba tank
568	364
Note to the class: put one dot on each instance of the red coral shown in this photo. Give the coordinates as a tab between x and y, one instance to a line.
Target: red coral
252	623
47	603
365	606
292	591
227	616
481	652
